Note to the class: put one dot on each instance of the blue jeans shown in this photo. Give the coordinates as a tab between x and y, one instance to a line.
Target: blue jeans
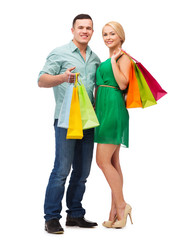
69	153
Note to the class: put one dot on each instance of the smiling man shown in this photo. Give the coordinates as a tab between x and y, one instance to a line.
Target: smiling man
59	69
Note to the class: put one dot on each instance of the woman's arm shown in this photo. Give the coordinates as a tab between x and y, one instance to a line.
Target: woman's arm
121	69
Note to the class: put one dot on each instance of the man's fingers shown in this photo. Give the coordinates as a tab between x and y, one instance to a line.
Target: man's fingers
71	76
70	69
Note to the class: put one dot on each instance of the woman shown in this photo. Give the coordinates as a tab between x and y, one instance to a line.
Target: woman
112	79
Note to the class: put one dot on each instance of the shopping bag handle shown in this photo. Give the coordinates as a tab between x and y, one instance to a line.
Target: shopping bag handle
129	55
76	81
79	81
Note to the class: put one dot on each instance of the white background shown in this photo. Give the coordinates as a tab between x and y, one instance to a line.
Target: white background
153	166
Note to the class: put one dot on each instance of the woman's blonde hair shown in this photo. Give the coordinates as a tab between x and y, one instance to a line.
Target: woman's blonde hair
118	28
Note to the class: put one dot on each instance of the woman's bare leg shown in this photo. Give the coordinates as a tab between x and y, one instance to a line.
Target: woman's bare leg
116	163
106	158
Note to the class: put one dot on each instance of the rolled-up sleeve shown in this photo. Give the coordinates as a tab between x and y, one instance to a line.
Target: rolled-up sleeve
52	65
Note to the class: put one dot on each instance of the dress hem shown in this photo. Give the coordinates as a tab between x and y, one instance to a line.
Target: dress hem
123	145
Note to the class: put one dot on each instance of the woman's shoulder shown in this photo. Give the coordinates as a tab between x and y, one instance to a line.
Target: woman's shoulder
124	61
124	58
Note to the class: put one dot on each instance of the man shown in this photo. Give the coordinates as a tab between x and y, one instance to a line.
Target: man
59	69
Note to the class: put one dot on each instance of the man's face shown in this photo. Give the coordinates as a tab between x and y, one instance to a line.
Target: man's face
82	31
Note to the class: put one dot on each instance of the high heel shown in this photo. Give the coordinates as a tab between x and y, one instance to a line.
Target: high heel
108	224
122	223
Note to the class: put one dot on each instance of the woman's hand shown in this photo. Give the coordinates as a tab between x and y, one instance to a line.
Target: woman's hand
116	54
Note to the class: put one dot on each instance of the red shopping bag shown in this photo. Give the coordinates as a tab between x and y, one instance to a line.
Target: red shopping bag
154	86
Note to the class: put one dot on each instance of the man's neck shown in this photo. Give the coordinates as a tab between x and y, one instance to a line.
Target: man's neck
82	47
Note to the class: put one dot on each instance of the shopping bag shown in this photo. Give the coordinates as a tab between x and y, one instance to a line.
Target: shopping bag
88	115
155	88
147	98
133	99
63	119
75	130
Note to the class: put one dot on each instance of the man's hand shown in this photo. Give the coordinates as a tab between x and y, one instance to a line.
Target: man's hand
68	76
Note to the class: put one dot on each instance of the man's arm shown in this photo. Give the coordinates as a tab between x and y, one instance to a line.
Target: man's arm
47	80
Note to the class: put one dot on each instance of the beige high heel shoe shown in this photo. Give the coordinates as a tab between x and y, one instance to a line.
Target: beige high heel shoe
122	223
108	224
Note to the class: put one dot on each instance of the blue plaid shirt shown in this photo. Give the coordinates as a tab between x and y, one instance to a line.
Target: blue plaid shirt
67	56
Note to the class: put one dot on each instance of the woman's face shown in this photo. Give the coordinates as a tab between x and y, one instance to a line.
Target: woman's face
111	38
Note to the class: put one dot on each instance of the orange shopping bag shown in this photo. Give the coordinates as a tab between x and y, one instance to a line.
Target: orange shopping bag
75	129
133	99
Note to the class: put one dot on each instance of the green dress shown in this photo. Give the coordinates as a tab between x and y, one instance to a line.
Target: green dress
110	109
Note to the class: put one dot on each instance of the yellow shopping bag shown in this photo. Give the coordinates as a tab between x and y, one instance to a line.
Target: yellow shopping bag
75	129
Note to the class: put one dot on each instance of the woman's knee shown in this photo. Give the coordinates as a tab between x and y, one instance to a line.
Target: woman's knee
99	162
102	164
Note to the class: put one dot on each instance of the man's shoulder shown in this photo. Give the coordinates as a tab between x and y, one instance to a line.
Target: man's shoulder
95	56
60	49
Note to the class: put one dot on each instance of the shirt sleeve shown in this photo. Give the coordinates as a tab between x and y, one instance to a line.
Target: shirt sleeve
52	65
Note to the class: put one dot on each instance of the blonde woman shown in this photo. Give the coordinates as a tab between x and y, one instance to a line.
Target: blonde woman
112	79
